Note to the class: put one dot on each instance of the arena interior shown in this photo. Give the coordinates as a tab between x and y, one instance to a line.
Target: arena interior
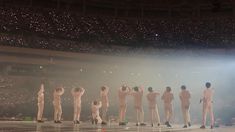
95	43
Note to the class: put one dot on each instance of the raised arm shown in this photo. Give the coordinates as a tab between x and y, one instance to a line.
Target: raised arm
128	91
82	91
189	95
62	91
203	97
119	90
42	86
41	90
100	104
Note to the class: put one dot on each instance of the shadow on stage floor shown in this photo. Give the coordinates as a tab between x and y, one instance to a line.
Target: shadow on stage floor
68	126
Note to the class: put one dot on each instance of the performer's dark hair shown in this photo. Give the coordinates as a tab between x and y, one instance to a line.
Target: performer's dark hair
168	89
103	88
58	89
124	87
95	102
136	89
150	89
208	84
77	89
183	87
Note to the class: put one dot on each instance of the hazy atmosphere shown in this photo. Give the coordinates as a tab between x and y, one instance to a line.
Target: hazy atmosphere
174	68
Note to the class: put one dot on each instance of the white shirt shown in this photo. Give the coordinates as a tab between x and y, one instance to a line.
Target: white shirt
122	96
77	96
104	97
151	97
57	97
138	97
184	97
167	97
208	95
41	94
95	108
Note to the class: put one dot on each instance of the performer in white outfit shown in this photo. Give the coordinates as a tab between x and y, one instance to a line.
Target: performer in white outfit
95	113
207	105
185	105
77	94
105	103
122	94
153	108
167	98
57	104
137	93
40	103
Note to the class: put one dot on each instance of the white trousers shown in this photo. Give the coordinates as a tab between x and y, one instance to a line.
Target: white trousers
77	112
207	107
186	115
168	111
40	111
122	113
139	114
104	113
154	114
57	112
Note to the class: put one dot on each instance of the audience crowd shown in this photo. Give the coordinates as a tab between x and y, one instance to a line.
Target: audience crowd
74	32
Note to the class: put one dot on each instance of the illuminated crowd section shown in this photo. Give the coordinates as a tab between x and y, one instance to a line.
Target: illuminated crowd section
66	30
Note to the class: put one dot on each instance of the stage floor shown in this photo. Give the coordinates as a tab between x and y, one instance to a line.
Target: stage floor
66	126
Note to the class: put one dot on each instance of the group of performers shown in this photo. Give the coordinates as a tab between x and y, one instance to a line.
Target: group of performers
137	93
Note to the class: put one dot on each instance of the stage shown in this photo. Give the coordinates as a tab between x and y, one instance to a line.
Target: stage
68	126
